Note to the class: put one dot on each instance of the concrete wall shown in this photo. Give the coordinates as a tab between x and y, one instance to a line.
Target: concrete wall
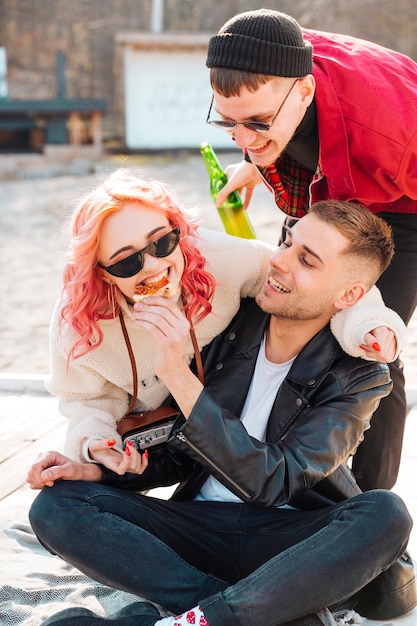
32	31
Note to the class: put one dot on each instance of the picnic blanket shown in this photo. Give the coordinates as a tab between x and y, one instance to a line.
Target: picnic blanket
36	584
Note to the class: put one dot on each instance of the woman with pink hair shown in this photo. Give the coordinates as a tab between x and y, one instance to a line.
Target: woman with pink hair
130	232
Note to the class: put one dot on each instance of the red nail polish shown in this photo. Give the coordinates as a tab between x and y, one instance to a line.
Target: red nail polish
376	346
146	453
129	443
111	442
127	451
362	347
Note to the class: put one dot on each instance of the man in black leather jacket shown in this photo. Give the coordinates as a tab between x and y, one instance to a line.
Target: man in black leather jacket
267	525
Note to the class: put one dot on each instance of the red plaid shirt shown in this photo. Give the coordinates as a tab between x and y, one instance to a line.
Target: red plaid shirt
290	182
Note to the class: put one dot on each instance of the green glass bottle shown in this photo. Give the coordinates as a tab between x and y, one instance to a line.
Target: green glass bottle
234	218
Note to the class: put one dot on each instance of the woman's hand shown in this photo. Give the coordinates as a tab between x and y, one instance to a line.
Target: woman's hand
52	466
380	345
170	330
242	177
101	450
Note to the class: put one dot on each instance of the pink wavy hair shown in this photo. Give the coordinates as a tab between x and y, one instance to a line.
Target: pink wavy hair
87	294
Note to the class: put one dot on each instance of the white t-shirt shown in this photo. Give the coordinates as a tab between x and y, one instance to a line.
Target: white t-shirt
266	381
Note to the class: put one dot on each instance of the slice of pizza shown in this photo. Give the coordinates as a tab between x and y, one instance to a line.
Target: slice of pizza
159	288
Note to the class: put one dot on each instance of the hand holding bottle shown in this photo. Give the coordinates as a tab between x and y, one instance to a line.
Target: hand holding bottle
242	177
234	218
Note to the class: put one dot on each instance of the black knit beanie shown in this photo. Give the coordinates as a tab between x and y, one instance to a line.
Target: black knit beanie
262	42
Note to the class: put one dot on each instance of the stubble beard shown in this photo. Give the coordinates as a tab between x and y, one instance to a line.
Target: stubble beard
299	311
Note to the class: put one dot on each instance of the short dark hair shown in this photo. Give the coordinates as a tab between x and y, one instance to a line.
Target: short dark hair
228	82
370	237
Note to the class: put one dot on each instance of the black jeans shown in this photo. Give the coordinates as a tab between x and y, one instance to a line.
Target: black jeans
242	564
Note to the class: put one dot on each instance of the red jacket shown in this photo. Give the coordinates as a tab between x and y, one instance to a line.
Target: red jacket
366	98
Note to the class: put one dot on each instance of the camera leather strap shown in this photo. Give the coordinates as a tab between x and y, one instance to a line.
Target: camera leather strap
133	362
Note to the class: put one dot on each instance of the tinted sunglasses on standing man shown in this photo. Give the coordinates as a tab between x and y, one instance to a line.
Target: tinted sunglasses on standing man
132	264
257	127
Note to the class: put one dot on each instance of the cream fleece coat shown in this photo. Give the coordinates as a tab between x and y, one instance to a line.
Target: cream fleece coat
94	390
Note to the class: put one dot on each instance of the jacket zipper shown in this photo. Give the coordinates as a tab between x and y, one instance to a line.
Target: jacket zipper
180	435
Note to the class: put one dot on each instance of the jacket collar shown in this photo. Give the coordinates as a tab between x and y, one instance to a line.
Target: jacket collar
334	148
319	353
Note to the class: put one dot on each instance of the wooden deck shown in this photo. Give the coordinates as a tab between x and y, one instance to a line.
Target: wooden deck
30	423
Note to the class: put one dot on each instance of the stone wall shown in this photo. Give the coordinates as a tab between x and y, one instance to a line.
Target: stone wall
32	31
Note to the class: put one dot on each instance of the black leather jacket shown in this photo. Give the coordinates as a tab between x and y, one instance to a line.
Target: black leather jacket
318	419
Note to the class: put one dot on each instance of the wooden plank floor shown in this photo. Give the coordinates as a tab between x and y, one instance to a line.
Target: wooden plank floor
30	423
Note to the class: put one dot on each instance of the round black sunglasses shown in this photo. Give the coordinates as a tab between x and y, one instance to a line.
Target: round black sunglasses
132	264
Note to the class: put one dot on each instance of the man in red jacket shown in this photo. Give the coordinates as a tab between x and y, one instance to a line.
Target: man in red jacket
318	116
